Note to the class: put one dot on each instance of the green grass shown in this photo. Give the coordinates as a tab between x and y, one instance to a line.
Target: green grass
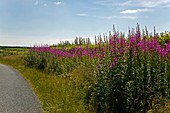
12	51
57	94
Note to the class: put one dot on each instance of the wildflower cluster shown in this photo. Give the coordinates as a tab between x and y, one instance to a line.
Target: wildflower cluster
131	73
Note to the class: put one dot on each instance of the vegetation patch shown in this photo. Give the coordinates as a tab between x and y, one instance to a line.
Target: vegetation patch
116	74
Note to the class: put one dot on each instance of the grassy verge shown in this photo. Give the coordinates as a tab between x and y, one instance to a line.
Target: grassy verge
57	94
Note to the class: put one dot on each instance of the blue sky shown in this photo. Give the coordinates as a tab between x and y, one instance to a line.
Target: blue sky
29	22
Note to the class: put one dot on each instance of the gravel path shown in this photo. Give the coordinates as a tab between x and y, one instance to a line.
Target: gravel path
16	96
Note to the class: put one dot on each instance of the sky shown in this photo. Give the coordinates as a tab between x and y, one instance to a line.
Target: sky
32	22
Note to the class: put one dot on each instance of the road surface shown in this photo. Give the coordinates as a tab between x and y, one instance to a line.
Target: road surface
16	95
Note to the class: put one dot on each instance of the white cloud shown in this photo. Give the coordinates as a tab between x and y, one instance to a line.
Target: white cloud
82	14
117	17
127	3
154	3
106	3
139	3
45	4
105	17
129	17
134	11
36	2
57	3
146	3
167	5
108	17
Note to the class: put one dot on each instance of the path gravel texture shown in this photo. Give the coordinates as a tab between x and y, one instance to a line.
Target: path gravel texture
16	95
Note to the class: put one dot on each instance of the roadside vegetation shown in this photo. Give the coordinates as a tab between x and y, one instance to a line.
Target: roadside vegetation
113	74
57	94
6	50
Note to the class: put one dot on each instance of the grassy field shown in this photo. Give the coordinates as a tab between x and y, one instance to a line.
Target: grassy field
6	51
